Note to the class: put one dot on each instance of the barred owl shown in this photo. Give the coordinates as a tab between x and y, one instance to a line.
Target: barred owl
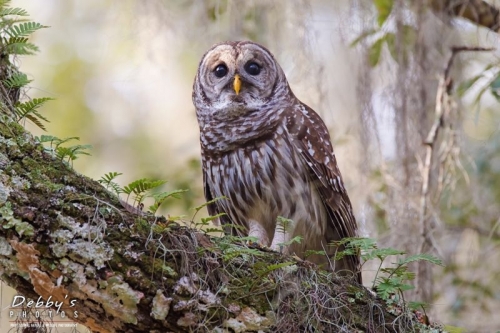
270	155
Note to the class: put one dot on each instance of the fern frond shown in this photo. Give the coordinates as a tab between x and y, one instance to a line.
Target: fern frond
13	11
24	29
142	185
209	203
29	110
31	105
17	80
71	153
107	181
4	3
421	257
47	138
57	142
36	121
21	48
109	177
161	197
14	40
164	195
115	187
205	220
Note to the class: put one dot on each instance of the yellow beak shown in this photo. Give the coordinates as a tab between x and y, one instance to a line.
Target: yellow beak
237	84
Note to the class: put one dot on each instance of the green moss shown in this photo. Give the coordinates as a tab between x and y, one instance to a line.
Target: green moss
47	265
8	221
4	193
142	226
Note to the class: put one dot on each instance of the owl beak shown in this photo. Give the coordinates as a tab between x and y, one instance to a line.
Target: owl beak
237	84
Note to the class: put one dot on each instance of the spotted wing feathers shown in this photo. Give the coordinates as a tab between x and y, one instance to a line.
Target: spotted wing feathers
312	140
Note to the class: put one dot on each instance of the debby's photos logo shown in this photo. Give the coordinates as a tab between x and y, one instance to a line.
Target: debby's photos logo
22	308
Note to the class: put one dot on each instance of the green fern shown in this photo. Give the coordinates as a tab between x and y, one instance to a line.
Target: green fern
142	185
72	153
200	207
294	240
29	110
65	154
15	31
140	188
17	80
24	29
13	11
391	282
263	269
108	181
161	197
19	46
206	220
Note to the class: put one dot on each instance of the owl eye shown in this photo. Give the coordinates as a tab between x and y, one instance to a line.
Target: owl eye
220	70
252	68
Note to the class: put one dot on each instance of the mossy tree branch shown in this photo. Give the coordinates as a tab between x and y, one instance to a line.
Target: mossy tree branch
65	237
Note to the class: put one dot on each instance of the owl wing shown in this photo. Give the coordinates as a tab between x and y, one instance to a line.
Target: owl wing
214	207
312	140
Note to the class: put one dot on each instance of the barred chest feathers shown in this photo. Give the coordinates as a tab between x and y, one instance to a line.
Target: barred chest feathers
264	179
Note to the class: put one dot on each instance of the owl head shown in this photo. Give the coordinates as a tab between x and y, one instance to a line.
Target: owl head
237	78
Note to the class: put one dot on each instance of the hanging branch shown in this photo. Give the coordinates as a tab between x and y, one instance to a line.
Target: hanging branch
444	108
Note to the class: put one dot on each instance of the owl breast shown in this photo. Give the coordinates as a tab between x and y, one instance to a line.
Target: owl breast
262	180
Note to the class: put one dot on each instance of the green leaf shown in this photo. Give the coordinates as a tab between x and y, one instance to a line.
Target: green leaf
164	195
24	29
13	11
209	203
17	80
381	253
109	177
47	138
268	269
313	252
390	286
384	8
417	305
283	224
142	185
211	218
296	239
421	257
29	110
214	230
21	48
374	52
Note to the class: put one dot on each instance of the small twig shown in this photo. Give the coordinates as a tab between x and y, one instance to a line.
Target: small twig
442	111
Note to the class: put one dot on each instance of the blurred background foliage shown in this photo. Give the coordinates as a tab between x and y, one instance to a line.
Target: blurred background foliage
121	73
